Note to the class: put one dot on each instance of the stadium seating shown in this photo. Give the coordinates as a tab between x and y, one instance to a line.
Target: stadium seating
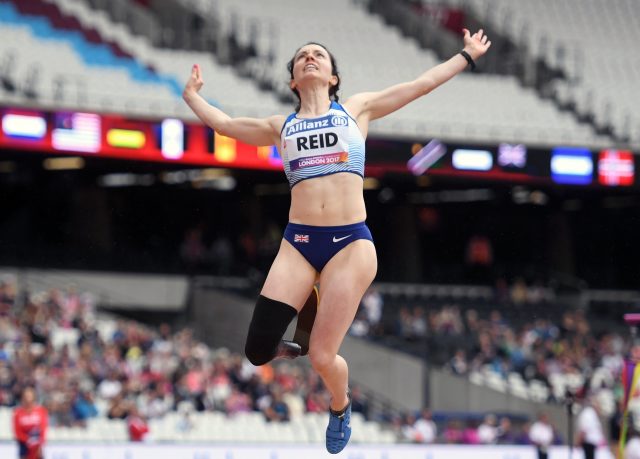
73	71
372	56
589	41
94	78
247	100
376	57
211	427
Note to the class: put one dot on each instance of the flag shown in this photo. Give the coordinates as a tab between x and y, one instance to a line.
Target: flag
77	132
616	168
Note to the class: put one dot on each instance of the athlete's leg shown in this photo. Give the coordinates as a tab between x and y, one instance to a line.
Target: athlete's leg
290	277
284	292
343	282
306	318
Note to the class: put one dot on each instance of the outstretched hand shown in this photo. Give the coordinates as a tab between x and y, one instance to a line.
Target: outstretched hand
195	81
477	44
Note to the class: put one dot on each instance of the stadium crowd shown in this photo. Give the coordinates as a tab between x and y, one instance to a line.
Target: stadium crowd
135	372
535	344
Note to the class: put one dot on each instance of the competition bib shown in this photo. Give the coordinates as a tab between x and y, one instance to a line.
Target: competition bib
317	142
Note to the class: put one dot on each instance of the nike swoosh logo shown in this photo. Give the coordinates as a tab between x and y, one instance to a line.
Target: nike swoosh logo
338	239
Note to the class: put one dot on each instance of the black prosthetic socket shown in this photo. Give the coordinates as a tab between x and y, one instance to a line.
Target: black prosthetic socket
268	324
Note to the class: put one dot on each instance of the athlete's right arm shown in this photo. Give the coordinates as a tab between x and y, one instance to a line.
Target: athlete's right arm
253	131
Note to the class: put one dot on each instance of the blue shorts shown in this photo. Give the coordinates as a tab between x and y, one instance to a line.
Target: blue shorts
318	244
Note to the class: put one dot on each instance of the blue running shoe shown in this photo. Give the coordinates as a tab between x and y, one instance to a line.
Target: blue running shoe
339	429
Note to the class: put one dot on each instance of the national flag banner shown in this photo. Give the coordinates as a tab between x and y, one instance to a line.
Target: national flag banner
24	126
77	132
616	168
426	157
172	138
512	155
472	160
572	165
301	238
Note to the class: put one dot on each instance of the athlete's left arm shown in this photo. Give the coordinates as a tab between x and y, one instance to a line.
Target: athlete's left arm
374	105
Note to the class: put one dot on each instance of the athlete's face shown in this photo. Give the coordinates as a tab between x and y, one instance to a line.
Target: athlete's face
312	62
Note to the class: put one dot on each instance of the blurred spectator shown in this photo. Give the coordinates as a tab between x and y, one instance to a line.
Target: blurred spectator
294	402
418	324
425	430
155	404
471	434
404	324
84	407
505	434
185	421
137	425
110	386
487	431
408	431
60	410
118	408
277	411
519	292
7	297
522	435
359	403
452	433
360	325
237	402
372	304
448	321
458	364
30	423
632	449
541	435
589	429
71	308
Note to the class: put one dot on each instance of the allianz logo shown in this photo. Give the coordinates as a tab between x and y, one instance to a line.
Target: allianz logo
324	122
339	120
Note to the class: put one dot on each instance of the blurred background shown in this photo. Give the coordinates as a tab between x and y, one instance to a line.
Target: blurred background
134	240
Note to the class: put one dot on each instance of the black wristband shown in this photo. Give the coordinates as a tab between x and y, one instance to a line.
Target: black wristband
469	59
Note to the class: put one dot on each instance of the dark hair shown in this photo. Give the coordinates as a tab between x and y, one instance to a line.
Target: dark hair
333	90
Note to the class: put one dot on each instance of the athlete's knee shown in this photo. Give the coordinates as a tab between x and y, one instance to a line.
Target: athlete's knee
321	359
268	324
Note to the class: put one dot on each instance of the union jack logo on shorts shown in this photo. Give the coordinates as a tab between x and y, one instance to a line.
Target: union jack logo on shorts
301	238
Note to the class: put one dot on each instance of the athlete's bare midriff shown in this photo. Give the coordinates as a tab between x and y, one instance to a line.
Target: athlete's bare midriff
332	200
